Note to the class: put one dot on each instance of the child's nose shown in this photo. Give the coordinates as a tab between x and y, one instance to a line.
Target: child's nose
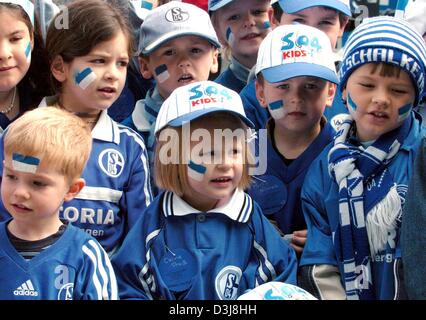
5	52
380	98
249	20
21	192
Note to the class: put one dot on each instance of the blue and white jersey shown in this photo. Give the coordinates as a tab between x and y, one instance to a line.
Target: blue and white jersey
178	252
235	76
117	184
320	205
278	190
75	267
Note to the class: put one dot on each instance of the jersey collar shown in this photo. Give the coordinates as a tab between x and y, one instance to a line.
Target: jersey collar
239	208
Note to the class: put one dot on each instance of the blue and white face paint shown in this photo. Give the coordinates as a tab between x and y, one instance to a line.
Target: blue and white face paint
276	109
162	73
351	105
84	78
404	112
196	171
230	36
146	5
266	25
25	164
28	52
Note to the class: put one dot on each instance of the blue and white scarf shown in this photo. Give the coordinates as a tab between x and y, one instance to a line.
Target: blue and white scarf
366	217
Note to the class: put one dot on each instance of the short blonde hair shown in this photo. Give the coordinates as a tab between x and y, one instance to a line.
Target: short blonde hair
54	136
173	176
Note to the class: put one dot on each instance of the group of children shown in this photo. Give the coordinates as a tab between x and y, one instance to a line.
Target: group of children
168	194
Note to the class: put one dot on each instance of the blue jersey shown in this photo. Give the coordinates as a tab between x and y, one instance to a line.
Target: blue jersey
177	252
117	184
278	190
320	204
75	267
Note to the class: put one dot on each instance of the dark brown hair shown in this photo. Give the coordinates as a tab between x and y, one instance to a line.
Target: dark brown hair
38	73
90	22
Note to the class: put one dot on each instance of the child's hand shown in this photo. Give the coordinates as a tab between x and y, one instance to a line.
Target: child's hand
298	241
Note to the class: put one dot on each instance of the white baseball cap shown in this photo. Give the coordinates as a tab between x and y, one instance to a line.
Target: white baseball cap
197	99
27	5
415	14
173	20
296	50
293	6
217	4
141	8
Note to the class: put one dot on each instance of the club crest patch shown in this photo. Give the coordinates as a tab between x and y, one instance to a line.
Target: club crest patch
227	282
111	162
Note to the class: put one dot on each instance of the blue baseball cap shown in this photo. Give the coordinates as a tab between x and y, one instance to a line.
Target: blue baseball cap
294	6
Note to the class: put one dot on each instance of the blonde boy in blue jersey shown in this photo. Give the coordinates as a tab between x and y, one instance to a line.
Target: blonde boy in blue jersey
42	256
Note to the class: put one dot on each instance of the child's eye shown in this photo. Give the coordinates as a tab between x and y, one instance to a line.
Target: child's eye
399	91
98	61
258	12
169	52
39	183
233	17
196	50
311	86
11	177
366	85
299	20
123	63
326	22
283	86
15	39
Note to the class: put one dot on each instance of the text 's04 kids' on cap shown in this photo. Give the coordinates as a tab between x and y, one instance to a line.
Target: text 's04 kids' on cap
296	50
197	99
294	6
386	40
173	20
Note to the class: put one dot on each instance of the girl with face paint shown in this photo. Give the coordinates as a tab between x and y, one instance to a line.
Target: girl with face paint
20	43
203	237
356	189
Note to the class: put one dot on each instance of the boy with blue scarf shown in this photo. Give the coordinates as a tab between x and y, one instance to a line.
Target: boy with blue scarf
353	196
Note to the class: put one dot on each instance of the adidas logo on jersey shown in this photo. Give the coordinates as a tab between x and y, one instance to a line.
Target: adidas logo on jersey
26	289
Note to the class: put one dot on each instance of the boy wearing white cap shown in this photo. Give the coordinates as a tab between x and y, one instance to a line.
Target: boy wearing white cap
296	80
203	237
356	188
330	16
177	46
241	25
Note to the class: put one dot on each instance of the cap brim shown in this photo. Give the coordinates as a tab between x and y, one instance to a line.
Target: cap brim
218	5
299	5
199	113
298	69
170	36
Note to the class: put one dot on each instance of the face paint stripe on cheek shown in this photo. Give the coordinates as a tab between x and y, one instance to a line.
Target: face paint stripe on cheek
84	78
351	104
146	5
28	52
162	73
404	111
276	109
196	171
266	25
25	164
229	36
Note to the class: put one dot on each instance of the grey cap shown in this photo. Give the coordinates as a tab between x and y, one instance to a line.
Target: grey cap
173	20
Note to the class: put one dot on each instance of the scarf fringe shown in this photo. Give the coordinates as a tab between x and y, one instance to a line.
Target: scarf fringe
382	219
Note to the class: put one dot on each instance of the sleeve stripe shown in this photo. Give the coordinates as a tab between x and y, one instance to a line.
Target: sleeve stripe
267	262
96	282
105	294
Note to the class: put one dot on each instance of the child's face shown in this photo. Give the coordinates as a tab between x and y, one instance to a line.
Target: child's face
223	165
179	62
33	199
248	22
15	46
327	20
377	100
296	104
93	82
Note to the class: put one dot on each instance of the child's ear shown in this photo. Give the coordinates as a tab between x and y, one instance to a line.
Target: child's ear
74	189
260	94
144	68
274	22
215	66
330	94
58	68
